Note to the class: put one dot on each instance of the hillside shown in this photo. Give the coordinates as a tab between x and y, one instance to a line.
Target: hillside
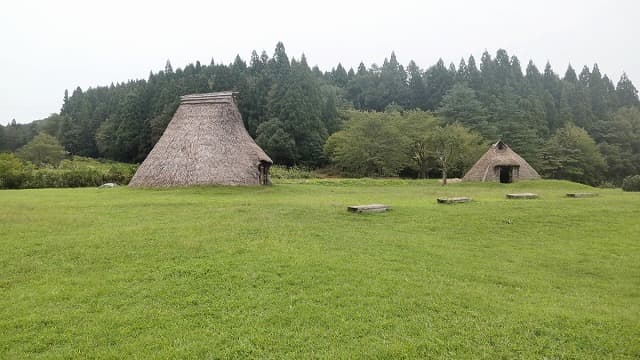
291	107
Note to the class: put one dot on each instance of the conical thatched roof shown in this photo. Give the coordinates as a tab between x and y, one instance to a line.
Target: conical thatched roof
205	143
500	155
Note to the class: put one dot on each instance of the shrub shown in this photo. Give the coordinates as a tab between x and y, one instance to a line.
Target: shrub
13	172
607	185
631	183
294	172
78	172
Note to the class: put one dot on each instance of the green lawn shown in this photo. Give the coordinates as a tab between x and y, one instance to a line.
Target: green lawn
285	272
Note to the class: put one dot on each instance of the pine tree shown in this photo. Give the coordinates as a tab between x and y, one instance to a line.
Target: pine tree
417	90
502	66
463	72
460	105
598	94
516	69
3	143
438	81
279	63
585	76
339	76
570	75
626	93
474	74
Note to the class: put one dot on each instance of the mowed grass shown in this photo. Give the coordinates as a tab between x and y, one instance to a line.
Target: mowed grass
286	272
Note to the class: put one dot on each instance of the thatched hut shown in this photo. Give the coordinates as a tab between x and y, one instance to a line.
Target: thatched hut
501	164
205	143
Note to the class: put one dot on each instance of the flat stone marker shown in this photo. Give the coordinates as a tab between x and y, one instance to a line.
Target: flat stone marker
581	195
368	208
522	196
454	200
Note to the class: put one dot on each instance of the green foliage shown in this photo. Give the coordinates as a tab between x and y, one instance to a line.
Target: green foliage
285	272
77	172
438	82
460	105
297	104
572	154
15	135
631	183
13	172
278	143
416	126
454	148
123	121
371	144
620	143
381	144
278	172
3	140
44	149
626	92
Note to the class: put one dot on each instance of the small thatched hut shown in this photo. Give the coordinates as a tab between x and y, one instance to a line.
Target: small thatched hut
205	143
501	164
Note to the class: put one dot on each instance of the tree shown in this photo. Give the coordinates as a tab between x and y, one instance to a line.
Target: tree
168	69
572	154
44	149
279	64
626	93
461	105
570	75
417	90
392	84
371	144
620	144
438	81
3	144
298	105
416	127
454	147
278	143
339	76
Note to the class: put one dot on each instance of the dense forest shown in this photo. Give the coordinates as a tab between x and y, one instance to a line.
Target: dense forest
292	109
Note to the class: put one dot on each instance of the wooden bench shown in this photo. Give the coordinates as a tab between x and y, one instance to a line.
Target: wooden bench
368	208
454	200
522	196
581	195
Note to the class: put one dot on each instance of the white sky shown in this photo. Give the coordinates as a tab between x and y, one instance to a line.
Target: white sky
49	46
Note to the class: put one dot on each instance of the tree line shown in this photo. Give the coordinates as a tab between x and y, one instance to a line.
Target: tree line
291	109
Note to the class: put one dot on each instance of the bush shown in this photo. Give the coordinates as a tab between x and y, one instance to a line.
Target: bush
607	185
13	172
631	183
78	172
294	172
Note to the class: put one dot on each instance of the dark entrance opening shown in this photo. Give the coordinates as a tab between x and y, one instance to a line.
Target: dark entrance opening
506	174
263	173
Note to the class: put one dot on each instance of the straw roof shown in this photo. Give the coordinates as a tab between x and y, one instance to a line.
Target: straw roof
205	143
498	155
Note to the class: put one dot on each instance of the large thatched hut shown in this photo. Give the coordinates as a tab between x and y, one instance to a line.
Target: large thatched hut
205	143
501	164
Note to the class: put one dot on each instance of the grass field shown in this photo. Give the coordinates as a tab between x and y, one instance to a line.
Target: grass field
285	272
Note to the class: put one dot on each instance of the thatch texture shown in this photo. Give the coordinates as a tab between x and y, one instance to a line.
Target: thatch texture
205	143
500	155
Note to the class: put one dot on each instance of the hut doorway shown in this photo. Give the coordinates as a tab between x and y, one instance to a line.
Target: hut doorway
263	173
506	174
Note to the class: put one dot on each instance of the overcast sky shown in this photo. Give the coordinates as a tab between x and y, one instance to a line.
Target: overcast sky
49	46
